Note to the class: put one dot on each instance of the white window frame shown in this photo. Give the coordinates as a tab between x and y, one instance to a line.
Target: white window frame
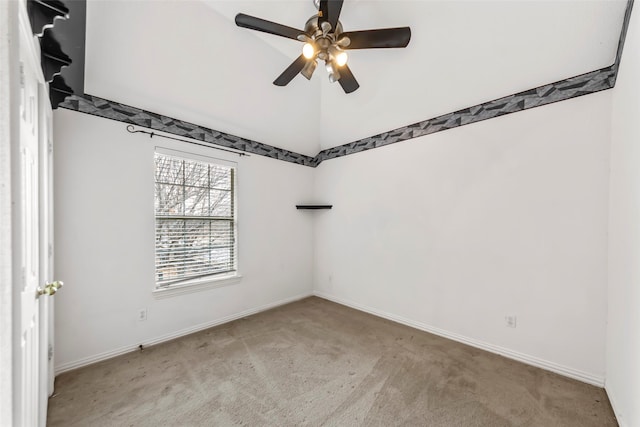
217	279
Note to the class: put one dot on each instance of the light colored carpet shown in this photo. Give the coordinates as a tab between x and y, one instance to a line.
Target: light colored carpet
314	362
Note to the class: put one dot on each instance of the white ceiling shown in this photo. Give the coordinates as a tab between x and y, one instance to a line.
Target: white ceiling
187	59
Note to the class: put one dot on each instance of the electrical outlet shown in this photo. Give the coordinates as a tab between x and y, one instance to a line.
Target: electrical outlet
142	314
510	321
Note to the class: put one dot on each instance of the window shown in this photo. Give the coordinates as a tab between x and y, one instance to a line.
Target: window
195	218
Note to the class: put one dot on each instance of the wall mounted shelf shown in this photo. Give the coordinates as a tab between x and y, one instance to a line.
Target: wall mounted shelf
314	207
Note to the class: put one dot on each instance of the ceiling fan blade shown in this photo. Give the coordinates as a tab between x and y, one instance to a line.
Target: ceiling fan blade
291	71
258	24
347	81
330	11
384	37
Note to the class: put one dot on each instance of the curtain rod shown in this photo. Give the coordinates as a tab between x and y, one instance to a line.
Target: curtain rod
131	129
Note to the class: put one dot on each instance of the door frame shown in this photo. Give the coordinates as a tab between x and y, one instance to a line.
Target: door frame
45	242
9	133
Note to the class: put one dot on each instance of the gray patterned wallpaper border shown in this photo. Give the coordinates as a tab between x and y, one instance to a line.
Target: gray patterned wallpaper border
573	87
124	113
584	84
623	36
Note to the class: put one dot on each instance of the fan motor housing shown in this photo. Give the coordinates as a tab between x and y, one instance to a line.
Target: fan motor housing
314	31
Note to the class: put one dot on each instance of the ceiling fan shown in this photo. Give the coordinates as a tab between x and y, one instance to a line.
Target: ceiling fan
324	40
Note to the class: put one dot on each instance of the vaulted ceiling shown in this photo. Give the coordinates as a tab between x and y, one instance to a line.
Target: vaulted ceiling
188	60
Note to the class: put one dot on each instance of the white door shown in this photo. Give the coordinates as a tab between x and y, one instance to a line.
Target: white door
30	234
29	227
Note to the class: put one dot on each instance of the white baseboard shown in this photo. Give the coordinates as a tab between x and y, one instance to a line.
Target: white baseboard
521	357
511	354
133	347
612	400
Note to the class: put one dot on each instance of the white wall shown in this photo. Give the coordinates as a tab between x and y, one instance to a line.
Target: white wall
623	328
453	231
104	244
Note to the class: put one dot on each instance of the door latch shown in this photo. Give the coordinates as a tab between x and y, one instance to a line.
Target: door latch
49	288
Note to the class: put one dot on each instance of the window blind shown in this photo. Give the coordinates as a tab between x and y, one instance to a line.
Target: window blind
195	219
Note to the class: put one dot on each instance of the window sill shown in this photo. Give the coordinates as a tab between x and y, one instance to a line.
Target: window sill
197	285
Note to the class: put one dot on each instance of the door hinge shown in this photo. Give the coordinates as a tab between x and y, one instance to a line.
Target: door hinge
21	74
50	250
50	353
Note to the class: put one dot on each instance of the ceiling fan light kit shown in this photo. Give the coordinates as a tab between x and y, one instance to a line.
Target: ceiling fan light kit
325	40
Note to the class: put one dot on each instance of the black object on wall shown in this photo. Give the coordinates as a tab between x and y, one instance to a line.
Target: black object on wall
52	57
60	27
314	207
58	91
43	13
